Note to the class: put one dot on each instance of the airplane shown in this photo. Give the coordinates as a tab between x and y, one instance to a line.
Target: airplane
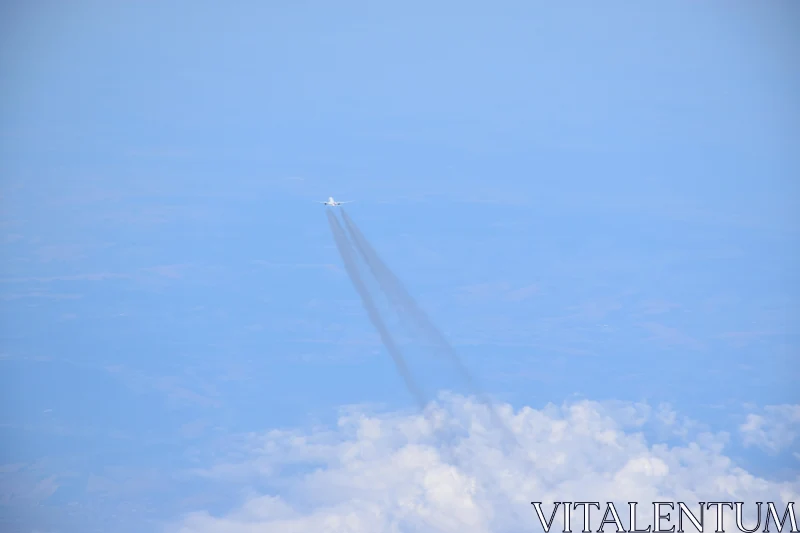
333	203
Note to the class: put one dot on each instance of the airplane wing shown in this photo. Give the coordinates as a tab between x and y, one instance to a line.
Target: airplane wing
347	202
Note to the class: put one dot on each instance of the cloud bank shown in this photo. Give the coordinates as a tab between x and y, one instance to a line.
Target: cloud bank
453	472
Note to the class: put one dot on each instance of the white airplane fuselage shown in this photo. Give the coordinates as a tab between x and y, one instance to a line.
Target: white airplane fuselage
331	202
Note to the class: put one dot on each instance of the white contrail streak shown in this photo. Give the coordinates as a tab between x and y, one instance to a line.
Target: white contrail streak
404	303
346	251
406	306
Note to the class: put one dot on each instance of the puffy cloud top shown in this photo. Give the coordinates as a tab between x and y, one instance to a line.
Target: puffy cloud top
452	469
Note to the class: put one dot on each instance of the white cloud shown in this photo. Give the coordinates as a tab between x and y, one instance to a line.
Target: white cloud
775	429
454	472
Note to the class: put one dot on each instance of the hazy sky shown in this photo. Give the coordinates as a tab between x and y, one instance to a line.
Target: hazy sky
596	203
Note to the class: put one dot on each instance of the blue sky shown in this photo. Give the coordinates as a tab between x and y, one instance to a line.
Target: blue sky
596	204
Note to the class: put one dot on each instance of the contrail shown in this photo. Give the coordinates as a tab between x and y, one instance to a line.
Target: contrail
403	301
346	251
